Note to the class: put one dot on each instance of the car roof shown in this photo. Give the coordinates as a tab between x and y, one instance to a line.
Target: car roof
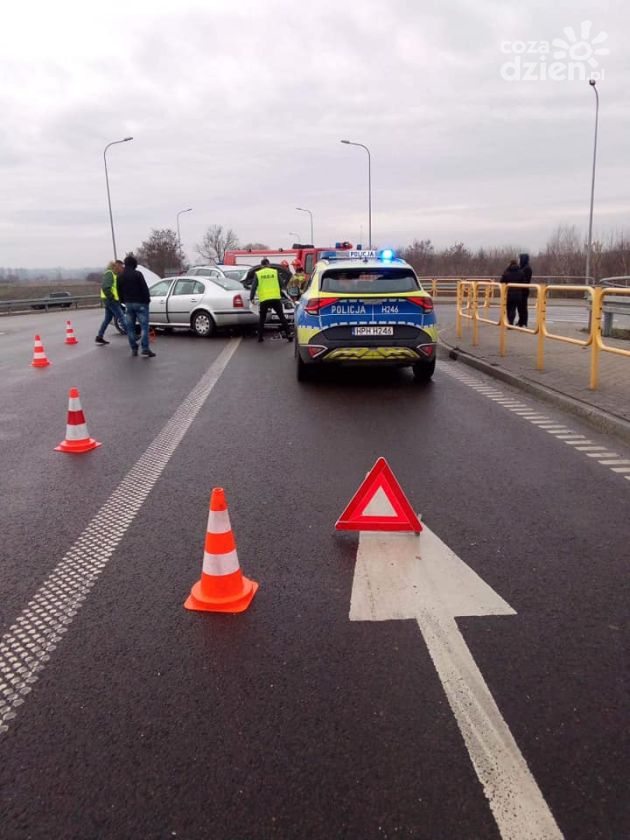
345	264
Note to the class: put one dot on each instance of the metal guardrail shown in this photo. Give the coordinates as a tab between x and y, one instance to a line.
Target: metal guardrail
468	308
447	286
14	307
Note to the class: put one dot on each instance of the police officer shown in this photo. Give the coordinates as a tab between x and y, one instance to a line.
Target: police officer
267	284
111	299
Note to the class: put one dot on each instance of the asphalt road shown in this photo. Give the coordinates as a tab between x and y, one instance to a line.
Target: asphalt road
289	720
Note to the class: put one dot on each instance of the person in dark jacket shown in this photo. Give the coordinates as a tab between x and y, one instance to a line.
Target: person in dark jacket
134	293
284	274
267	284
512	274
523	260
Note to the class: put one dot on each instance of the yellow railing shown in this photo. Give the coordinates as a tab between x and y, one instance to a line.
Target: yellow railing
469	308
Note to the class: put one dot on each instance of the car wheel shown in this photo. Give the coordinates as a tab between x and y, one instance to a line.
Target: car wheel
121	325
423	371
202	324
303	371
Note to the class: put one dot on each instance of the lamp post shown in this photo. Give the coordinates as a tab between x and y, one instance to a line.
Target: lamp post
109	201
351	143
179	238
590	216
304	210
296	235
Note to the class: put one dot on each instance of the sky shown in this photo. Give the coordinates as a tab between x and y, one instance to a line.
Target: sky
479	129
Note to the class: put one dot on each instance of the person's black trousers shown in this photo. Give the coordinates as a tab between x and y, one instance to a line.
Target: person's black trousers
522	308
276	305
513	302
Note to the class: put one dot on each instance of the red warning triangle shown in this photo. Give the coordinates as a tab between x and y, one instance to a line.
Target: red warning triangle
379	505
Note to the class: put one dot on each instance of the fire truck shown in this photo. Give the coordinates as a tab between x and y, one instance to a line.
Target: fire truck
306	255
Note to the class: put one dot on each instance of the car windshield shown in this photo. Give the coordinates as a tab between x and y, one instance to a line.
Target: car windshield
226	283
236	273
364	280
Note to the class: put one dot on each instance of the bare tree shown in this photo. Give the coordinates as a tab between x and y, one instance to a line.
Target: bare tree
564	252
216	242
161	252
421	255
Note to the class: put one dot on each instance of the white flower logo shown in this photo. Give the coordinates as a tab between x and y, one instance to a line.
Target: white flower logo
583	48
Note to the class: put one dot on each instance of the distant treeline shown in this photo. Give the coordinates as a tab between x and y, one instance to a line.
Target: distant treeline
51	275
563	256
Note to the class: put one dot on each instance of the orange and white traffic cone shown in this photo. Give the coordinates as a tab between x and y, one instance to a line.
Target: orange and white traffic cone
70	336
39	354
77	435
222	587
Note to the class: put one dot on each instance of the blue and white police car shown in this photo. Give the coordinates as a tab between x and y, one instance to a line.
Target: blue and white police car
365	308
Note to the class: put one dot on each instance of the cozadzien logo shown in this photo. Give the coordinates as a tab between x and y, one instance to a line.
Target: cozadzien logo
576	57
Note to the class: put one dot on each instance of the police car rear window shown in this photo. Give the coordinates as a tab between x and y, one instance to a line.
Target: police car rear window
363	280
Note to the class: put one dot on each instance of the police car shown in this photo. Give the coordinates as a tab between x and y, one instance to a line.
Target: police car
365	308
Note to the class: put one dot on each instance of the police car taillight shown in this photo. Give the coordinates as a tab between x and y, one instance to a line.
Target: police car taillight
237	302
426	350
315	350
424	303
313	305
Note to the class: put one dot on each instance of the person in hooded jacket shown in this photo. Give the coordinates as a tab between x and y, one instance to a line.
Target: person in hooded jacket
512	274
526	268
134	292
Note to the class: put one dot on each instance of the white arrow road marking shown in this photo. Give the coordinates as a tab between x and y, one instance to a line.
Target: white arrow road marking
405	576
26	647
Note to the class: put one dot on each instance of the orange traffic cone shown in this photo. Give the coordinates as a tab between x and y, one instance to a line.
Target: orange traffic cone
39	354
77	435
222	587
70	336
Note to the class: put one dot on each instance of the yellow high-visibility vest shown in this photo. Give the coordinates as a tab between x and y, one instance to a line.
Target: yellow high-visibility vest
268	284
114	286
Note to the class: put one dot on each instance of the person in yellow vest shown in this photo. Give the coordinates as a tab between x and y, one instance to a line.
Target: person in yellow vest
267	283
110	298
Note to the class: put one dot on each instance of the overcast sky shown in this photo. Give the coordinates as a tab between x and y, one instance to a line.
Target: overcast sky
237	110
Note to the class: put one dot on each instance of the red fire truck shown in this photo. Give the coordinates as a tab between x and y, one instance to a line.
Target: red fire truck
307	255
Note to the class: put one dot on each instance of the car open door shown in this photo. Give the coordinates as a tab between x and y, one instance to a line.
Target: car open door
158	305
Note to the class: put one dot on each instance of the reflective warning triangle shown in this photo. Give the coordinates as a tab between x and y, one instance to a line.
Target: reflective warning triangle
379	505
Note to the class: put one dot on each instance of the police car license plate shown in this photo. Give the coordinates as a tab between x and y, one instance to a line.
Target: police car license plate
372	331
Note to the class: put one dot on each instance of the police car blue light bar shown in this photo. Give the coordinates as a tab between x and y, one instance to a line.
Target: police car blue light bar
386	254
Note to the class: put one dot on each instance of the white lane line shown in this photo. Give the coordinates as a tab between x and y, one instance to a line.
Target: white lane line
26	646
602	455
616	462
399	576
541	421
627	477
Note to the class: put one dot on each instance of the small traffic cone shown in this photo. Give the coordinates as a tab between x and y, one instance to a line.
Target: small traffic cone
222	587
77	435
70	336
39	354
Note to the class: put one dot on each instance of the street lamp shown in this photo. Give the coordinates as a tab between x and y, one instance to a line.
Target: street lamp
296	235
109	201
590	217
304	210
350	143
179	239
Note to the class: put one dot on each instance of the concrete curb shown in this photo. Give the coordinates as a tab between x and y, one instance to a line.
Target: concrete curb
599	419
